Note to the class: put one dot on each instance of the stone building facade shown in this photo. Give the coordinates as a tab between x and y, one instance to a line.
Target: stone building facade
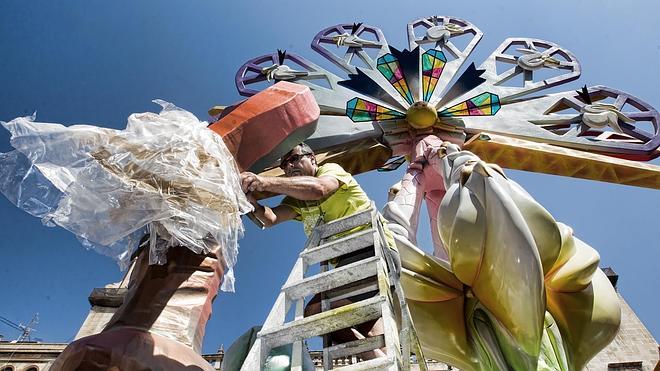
633	348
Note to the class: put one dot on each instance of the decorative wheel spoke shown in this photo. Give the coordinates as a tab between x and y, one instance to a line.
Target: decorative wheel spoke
358	39
559	119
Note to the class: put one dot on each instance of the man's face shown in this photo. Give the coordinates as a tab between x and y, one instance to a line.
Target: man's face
299	163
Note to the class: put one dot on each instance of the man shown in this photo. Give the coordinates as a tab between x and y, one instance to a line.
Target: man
327	192
312	191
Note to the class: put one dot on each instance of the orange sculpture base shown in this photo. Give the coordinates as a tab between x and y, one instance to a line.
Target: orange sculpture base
128	349
161	323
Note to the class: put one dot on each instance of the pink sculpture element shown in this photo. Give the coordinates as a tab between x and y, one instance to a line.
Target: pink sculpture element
422	181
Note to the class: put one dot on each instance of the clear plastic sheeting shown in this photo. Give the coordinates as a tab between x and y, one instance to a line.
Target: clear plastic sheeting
166	174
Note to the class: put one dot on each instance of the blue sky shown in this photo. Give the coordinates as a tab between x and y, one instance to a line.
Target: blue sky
96	62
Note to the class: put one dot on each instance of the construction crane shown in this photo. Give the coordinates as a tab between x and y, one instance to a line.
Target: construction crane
25	330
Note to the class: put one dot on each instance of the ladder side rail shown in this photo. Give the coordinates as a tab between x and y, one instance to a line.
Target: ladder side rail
380	228
408	334
389	323
260	349
404	338
392	341
325	306
402	347
406	319
313	240
277	316
297	348
256	356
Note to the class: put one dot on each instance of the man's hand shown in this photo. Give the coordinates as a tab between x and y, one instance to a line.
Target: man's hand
264	215
251	182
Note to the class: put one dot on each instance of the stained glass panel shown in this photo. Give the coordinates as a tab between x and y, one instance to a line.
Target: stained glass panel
360	110
485	104
390	68
433	62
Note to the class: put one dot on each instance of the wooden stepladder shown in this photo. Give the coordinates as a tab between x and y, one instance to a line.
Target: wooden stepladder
373	274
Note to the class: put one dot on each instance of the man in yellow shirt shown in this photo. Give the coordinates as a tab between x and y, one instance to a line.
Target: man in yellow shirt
312	192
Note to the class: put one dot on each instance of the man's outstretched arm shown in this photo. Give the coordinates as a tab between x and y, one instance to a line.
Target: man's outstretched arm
305	188
271	216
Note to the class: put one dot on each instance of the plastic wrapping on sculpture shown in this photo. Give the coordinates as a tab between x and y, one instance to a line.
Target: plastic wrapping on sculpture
164	173
502	246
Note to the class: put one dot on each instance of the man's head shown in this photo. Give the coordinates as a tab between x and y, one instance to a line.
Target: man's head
299	161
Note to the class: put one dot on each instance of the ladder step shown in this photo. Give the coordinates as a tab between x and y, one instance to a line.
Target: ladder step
345	224
359	288
324	322
332	279
381	363
356	346
348	244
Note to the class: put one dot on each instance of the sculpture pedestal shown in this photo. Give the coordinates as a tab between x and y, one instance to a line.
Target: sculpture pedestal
162	321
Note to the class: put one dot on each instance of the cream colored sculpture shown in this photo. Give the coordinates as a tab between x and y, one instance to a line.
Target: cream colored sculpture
518	290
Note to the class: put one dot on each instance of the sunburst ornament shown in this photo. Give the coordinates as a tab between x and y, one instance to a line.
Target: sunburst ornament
386	90
402	73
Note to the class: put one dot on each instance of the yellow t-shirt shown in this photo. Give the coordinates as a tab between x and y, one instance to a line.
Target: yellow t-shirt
348	199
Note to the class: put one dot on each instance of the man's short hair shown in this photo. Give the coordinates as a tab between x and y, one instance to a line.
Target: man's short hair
304	149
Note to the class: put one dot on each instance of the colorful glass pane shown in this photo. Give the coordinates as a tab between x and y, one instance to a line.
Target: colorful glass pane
485	104
360	110
390	68
433	61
